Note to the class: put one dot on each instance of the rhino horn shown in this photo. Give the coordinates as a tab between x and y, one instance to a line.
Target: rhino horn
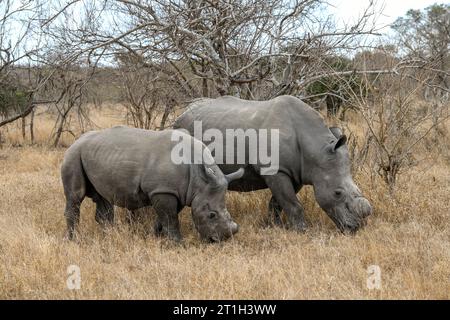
235	175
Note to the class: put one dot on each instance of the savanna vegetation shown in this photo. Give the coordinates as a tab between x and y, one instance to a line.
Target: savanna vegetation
67	67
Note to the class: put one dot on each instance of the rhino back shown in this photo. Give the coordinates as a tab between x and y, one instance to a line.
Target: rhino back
298	124
127	166
301	130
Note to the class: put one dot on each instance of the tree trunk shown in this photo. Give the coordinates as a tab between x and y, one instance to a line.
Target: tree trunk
32	126
24	132
165	116
59	130
205	90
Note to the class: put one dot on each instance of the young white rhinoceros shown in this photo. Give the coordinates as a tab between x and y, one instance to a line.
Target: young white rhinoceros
133	168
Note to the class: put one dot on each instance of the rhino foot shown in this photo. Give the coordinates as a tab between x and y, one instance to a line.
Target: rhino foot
299	226
158	229
274	214
176	237
72	237
173	235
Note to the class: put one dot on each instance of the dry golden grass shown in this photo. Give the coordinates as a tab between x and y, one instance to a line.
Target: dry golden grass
408	237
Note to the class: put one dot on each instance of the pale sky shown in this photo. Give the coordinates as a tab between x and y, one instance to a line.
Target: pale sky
344	12
349	10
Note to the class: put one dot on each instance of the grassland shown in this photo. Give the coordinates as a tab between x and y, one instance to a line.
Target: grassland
408	237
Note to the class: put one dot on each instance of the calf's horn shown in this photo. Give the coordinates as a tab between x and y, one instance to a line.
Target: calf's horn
235	175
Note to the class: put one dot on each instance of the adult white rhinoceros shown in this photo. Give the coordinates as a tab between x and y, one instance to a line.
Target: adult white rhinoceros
133	168
310	153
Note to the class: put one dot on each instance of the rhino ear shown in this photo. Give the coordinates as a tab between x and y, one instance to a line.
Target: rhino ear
341	141
235	175
210	173
337	132
214	175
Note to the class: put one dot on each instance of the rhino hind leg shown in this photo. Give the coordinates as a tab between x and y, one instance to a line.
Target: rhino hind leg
104	211
74	183
72	214
275	212
158	228
167	209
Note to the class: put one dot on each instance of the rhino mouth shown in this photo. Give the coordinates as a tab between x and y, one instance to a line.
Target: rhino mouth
348	227
351	229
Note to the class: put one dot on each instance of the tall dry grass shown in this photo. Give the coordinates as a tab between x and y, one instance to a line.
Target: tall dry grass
408	236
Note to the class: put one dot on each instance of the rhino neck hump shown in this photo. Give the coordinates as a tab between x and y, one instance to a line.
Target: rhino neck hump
312	137
193	184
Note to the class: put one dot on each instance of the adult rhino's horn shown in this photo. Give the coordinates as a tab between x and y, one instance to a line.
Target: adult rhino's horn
235	175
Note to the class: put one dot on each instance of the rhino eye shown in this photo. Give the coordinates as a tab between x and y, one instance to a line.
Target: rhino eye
212	214
338	193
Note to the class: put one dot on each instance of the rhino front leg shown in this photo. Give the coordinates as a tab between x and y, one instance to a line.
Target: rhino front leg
286	196
166	207
274	212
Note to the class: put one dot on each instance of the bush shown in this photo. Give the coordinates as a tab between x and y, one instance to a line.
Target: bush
13	100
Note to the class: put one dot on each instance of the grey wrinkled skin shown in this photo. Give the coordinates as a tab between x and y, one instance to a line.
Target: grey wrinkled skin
310	154
132	168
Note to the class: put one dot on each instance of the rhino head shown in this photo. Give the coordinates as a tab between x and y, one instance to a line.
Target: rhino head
209	213
334	188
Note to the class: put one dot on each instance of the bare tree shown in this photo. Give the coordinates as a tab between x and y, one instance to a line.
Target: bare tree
38	66
22	41
170	52
397	121
255	49
16	99
71	85
150	92
425	36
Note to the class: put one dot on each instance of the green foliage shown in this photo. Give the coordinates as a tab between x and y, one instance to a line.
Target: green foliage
332	83
426	32
336	88
12	100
